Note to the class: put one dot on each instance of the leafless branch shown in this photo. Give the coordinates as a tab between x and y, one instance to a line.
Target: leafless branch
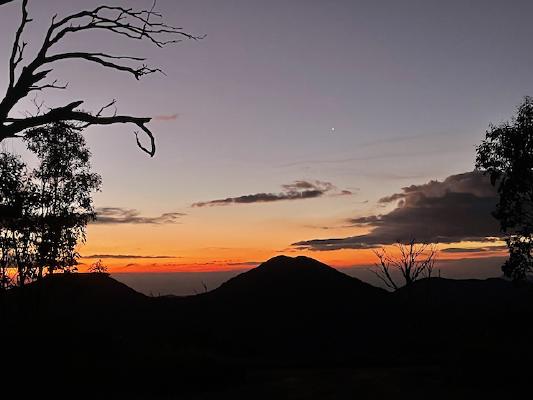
127	22
18	47
38	105
109	105
53	85
69	113
413	262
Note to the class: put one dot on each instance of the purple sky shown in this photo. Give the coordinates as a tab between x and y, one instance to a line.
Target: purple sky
409	88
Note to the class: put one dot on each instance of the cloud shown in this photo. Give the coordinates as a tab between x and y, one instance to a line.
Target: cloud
391	198
171	117
474	183
484	249
428	138
297	190
454	210
245	264
126	256
345	193
380	156
119	215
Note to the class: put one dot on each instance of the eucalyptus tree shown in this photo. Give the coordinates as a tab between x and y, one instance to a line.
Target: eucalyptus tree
506	155
17	224
65	187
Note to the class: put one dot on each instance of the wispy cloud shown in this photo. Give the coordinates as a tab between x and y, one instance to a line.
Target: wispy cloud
119	215
345	193
297	190
171	117
127	256
485	249
392	154
245	263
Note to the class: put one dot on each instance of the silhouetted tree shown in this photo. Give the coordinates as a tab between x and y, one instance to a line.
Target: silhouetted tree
98	268
65	185
413	261
29	77
506	155
17	225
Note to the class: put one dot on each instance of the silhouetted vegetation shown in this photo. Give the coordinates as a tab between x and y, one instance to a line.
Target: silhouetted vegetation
26	78
45	211
263	332
413	261
98	268
65	185
17	226
506	154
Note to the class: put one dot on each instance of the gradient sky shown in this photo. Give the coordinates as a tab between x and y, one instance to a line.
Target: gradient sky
370	96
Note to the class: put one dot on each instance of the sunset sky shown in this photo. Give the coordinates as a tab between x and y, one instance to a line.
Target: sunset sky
298	127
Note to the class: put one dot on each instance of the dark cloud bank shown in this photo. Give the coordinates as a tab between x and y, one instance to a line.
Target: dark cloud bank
119	215
297	190
454	210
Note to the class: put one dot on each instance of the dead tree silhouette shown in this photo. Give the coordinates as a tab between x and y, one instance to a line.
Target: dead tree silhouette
26	78
413	262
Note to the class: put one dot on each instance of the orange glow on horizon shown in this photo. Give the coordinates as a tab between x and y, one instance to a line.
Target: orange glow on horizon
245	259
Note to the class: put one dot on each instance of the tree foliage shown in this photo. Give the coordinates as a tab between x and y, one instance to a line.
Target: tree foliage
17	233
506	155
65	185
44	212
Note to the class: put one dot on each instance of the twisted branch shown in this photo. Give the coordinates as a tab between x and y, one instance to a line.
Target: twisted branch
121	21
413	262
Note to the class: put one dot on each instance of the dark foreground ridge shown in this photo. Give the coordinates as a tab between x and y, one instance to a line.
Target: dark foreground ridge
292	327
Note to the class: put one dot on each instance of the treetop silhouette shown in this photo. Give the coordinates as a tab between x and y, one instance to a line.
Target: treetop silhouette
506	155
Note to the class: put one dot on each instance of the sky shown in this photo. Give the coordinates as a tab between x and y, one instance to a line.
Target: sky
318	128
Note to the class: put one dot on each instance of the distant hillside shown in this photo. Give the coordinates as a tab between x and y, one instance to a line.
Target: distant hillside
80	293
454	296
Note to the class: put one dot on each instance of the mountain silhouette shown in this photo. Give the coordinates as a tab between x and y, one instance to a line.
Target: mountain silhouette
80	289
295	280
291	308
288	312
81	297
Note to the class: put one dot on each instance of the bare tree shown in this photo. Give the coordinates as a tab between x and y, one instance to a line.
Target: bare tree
28	77
98	268
413	261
